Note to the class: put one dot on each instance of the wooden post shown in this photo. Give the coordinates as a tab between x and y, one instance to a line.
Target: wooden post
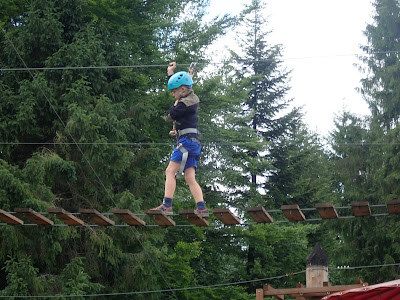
316	267
259	294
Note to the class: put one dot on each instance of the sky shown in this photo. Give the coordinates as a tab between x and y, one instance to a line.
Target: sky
320	39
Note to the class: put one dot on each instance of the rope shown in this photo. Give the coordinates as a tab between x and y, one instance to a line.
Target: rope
247	61
199	287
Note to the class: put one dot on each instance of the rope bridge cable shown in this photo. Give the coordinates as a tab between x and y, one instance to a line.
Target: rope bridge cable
163	290
204	142
134	231
195	287
200	63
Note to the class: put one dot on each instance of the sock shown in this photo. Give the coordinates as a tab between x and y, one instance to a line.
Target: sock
201	205
167	202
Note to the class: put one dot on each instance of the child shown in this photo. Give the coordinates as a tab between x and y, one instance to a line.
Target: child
184	114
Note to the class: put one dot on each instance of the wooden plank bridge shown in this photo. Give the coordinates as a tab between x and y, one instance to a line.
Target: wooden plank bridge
292	213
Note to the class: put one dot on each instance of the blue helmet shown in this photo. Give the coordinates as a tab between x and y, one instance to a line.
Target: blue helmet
179	79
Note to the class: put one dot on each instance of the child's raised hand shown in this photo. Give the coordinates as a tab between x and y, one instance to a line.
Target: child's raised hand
171	68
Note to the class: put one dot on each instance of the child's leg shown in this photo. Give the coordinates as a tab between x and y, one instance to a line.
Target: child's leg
195	189
170	180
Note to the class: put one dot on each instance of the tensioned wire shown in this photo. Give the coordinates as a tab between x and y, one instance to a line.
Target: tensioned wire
139	144
338	268
200	63
87	160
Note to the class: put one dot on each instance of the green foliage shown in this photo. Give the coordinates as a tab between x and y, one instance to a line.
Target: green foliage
22	278
75	281
93	137
365	157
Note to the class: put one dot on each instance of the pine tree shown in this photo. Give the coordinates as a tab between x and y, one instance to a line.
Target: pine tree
366	151
66	133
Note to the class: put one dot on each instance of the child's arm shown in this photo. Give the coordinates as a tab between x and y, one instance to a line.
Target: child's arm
171	68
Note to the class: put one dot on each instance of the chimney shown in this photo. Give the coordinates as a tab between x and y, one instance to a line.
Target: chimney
317	267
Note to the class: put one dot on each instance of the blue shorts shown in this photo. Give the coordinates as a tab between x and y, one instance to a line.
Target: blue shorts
194	150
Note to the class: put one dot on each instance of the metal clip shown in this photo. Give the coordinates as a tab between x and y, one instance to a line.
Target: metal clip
192	68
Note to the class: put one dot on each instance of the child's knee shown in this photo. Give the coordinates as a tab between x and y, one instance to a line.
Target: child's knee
190	177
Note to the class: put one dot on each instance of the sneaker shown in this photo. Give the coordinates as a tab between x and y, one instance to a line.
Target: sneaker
163	208
202	212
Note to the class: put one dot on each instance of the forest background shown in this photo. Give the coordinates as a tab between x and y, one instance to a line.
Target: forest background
84	130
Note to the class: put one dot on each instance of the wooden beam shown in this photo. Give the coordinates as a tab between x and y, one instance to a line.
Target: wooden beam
326	210
311	292
361	209
34	216
160	217
226	216
96	217
293	213
259	214
393	206
9	218
193	217
270	291
66	217
128	217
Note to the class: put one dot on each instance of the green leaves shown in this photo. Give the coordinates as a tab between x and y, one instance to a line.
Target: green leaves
22	278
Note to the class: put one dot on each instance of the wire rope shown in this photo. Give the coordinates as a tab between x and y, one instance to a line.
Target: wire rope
185	64
338	268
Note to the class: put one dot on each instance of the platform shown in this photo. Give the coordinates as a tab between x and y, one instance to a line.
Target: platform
326	210
293	213
66	217
160	218
96	217
191	216
34	216
226	216
128	217
9	218
259	214
361	209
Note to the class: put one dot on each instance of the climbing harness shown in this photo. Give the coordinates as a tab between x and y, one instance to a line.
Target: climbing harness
187	130
185	155
185	152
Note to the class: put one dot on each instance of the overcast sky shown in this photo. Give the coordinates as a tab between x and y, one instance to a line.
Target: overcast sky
319	38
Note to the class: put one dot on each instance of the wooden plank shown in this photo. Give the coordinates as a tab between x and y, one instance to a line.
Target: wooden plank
226	216
259	214
361	209
9	218
128	217
66	217
393	206
314	291
293	213
191	216
259	294
270	291
326	210
160	217
96	217
34	216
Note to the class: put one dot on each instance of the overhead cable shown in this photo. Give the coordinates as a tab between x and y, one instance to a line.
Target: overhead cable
239	61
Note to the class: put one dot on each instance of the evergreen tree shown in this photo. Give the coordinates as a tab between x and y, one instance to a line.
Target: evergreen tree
365	154
66	132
